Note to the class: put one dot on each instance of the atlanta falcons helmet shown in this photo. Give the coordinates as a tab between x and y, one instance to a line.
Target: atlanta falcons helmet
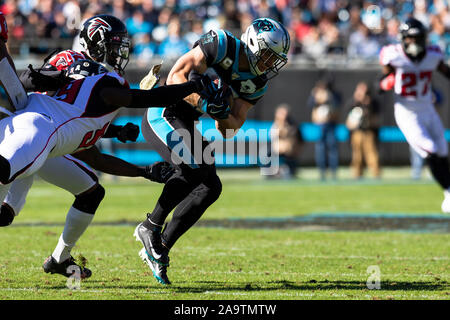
413	28
105	39
267	44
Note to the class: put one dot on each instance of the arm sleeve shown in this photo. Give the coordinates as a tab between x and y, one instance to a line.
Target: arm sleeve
112	131
161	96
42	80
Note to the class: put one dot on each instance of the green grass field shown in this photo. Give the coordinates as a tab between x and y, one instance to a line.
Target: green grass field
224	263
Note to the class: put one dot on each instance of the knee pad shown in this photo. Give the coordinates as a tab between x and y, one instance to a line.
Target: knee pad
89	202
5	170
6	215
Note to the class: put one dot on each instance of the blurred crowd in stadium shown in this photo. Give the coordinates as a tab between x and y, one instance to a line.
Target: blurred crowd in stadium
168	28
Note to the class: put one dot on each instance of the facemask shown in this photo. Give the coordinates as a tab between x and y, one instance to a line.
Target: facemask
414	49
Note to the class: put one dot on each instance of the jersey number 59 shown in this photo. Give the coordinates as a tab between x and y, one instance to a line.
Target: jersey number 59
69	92
92	137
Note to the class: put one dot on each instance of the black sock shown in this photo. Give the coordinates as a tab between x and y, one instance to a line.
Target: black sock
175	190
190	210
440	170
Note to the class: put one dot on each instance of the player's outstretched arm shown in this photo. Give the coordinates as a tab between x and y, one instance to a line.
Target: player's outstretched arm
128	132
444	69
157	172
157	97
109	164
106	163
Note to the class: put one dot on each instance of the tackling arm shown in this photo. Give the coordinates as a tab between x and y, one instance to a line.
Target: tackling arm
108	164
157	172
157	97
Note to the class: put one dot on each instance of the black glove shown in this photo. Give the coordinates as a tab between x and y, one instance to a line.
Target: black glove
206	87
217	106
129	132
158	172
42	81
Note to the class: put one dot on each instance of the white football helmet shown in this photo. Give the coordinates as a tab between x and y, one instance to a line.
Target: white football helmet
267	45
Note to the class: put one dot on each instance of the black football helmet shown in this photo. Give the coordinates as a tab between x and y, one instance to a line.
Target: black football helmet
105	39
84	68
413	28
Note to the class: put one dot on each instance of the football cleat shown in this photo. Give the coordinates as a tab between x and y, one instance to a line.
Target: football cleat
153	253
51	266
445	207
159	269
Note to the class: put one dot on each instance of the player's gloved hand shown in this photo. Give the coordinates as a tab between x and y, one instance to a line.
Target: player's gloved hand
218	110
218	106
128	132
3	28
206	87
33	80
158	172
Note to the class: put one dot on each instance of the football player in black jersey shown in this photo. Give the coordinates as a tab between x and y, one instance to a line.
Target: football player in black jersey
244	68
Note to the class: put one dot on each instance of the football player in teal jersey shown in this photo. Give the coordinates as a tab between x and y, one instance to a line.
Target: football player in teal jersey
244	68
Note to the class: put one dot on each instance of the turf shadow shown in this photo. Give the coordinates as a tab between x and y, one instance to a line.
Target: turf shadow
203	286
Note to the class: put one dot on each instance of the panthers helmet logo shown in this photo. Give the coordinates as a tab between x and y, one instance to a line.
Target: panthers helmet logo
97	25
262	25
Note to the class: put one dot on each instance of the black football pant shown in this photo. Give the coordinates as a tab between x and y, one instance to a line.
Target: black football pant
195	184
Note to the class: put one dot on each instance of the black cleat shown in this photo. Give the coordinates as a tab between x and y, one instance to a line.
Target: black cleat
51	266
6	215
153	254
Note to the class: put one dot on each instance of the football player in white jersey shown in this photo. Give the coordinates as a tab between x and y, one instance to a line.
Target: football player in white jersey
73	120
67	171
408	68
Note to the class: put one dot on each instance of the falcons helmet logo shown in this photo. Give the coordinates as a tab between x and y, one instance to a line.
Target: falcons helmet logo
96	25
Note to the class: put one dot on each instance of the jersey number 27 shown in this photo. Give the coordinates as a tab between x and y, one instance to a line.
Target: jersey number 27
409	83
